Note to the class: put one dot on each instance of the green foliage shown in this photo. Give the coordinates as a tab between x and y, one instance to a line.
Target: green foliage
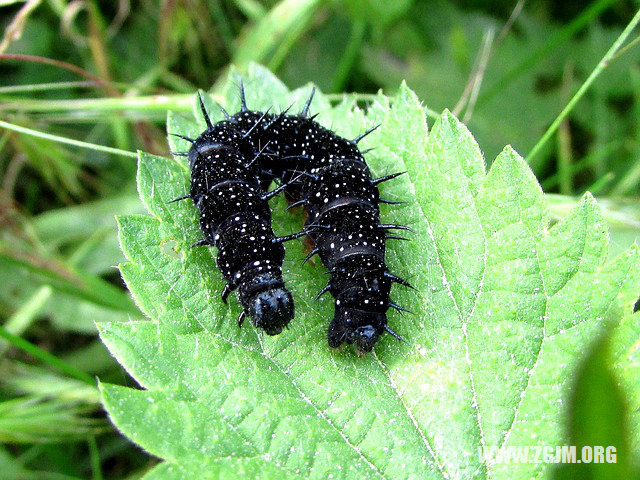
528	80
28	420
505	307
598	415
58	240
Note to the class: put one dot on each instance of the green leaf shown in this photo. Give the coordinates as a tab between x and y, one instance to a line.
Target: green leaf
505	306
625	349
598	417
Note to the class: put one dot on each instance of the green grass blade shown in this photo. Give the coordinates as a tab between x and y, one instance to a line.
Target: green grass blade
46	357
585	86
70	280
68	141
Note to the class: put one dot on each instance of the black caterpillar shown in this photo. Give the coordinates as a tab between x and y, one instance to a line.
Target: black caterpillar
341	200
236	218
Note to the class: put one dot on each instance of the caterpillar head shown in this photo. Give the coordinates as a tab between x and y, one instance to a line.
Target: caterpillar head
358	327
271	310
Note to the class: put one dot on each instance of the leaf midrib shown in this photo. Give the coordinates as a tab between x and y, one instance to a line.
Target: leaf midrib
530	371
319	412
421	434
289	376
188	311
447	284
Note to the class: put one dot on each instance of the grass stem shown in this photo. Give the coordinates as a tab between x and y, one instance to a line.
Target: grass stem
602	64
68	141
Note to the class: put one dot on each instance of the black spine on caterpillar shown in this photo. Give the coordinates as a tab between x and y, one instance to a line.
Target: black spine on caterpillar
343	220
236	218
342	203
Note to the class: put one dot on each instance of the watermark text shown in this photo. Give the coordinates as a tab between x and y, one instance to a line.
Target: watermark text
547	454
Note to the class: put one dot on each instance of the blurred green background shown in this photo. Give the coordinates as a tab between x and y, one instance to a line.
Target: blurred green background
92	71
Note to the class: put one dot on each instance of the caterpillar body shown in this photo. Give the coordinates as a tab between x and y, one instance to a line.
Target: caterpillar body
236	218
328	175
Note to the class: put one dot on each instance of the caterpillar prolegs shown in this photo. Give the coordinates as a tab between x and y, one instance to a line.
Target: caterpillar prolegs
329	176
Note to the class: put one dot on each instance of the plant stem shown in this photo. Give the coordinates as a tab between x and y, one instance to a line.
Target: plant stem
94	455
68	141
583	88
349	56
577	24
564	137
41	87
589	160
181	102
